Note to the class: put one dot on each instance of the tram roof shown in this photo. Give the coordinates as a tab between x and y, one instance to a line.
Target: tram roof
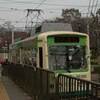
62	32
48	34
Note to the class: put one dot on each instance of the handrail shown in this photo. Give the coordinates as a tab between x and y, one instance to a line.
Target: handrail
41	83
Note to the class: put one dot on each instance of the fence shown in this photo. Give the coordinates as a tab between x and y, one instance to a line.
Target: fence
43	85
74	88
36	82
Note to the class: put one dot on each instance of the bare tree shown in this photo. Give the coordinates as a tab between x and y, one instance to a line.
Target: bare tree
70	15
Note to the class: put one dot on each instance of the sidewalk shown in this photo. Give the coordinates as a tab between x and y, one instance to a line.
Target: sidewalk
3	93
13	91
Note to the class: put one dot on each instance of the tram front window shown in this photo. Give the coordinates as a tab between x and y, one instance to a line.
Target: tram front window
67	57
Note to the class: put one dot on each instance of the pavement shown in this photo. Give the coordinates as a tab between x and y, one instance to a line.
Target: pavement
10	91
3	92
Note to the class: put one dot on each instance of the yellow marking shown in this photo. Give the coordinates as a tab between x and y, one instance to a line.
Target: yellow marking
3	92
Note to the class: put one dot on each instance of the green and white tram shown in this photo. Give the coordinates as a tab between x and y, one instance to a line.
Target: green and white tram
58	51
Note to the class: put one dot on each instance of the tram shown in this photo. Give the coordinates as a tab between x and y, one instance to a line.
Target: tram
62	52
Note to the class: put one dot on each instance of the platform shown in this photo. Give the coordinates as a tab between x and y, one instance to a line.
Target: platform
9	91
3	92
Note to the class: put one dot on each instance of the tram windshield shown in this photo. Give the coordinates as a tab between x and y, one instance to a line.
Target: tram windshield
67	57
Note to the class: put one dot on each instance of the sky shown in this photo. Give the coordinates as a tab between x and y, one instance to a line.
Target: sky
15	10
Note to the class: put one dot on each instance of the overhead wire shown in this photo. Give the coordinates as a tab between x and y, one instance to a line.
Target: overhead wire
43	3
96	7
17	9
88	13
92	8
39	4
37	15
89	8
36	3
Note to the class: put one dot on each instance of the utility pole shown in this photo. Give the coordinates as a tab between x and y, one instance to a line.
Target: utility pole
30	11
12	36
88	23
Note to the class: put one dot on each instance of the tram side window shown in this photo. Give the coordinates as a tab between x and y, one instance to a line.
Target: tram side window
40	57
29	57
34	57
15	56
25	56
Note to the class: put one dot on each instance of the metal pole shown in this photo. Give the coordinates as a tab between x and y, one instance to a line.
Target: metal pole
88	28
12	37
87	25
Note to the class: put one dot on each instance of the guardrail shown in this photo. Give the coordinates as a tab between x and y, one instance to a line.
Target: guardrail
38	83
74	88
43	85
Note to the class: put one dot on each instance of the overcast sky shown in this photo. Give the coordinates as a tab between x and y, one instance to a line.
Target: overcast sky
14	10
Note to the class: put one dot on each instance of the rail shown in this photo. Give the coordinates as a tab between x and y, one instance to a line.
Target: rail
43	85
37	82
74	88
